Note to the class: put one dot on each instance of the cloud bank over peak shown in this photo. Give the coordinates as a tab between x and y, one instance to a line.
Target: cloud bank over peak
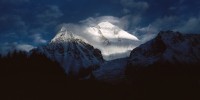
106	33
120	22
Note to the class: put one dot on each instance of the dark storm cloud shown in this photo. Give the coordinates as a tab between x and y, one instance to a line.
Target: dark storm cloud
35	22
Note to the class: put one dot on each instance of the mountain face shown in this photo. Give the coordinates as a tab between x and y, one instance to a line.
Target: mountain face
113	41
166	66
74	55
169	52
112	71
168	46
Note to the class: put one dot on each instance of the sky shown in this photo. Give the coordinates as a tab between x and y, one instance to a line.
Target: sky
25	24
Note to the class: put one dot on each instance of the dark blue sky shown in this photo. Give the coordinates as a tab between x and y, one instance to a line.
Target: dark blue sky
28	23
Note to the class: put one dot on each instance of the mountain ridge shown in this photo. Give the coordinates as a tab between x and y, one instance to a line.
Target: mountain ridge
73	54
172	51
168	46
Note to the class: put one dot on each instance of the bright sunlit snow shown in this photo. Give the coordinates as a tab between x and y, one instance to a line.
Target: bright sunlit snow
113	41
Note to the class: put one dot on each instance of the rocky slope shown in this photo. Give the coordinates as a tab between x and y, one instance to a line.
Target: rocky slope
73	54
168	46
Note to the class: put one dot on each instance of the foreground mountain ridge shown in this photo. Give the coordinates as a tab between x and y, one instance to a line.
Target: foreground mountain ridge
170	50
168	46
73	54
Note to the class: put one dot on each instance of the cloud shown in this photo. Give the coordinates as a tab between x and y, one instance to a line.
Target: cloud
122	22
12	23
51	11
126	11
87	28
9	47
148	32
24	47
49	15
159	24
190	26
21	27
37	38
175	23
20	19
145	33
126	22
166	23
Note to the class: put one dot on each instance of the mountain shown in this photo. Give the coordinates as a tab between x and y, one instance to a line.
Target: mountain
75	51
166	66
168	46
113	41
74	55
170	50
112	71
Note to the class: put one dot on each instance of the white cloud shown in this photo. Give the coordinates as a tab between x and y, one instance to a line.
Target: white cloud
8	47
120	22
144	33
87	30
24	47
38	39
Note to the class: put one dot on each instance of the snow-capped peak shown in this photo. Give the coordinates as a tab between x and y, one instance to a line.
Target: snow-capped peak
63	36
113	41
109	30
106	25
74	55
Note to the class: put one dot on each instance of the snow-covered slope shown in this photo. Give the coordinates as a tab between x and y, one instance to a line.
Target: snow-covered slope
168	46
73	54
113	41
